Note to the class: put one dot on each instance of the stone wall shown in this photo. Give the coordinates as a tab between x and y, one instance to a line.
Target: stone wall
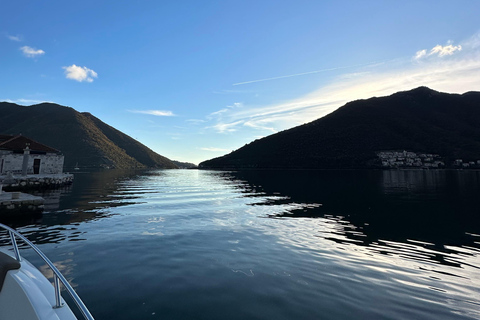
32	182
50	163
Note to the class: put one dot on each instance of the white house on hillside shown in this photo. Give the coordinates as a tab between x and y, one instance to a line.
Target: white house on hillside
20	155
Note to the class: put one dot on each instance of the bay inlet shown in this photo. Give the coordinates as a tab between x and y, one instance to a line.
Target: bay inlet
198	244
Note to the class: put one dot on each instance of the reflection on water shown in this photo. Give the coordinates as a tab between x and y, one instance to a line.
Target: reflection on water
427	205
88	198
422	212
413	181
428	220
269	244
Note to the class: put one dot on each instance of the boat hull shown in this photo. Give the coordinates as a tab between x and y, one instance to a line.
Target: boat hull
27	294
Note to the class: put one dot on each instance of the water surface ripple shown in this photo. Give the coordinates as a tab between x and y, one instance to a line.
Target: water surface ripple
189	244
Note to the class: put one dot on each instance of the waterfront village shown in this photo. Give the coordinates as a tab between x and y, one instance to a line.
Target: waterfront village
409	159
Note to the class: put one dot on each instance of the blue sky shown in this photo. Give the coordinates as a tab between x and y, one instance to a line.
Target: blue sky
194	80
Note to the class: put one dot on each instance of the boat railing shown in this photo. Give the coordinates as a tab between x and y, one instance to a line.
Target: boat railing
57	275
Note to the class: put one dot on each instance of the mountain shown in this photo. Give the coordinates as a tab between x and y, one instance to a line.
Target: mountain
81	137
184	165
419	120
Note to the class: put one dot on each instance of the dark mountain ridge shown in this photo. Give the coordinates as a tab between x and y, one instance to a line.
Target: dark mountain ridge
81	137
419	120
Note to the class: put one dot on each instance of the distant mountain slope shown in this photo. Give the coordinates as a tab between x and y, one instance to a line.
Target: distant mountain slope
184	165
420	120
81	137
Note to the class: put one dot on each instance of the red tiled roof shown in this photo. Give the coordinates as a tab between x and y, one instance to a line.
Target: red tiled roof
4	137
19	142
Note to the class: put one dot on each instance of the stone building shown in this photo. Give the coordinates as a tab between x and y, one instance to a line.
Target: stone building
20	155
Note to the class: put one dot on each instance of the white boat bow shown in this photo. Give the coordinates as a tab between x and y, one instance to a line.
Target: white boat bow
25	293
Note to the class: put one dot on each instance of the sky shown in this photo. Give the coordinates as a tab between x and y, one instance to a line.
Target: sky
194	80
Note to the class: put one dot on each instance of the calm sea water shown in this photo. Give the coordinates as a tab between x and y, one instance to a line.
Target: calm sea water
188	244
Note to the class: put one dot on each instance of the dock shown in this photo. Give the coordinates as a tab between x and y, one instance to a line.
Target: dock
35	181
18	203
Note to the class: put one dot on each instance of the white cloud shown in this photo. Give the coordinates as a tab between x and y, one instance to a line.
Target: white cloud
223	127
458	74
213	149
439	51
223	119
31	52
420	54
445	51
80	74
158	113
219	113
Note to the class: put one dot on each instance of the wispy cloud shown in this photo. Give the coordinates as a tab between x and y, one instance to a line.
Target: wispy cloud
222	127
158	113
227	91
450	68
213	149
261	124
16	38
31	52
196	121
304	73
439	51
219	113
420	54
175	136
223	119
79	74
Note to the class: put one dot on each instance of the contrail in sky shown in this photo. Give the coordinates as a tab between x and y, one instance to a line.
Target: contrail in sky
305	73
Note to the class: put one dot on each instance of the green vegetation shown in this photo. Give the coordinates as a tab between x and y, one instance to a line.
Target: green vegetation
420	120
81	137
